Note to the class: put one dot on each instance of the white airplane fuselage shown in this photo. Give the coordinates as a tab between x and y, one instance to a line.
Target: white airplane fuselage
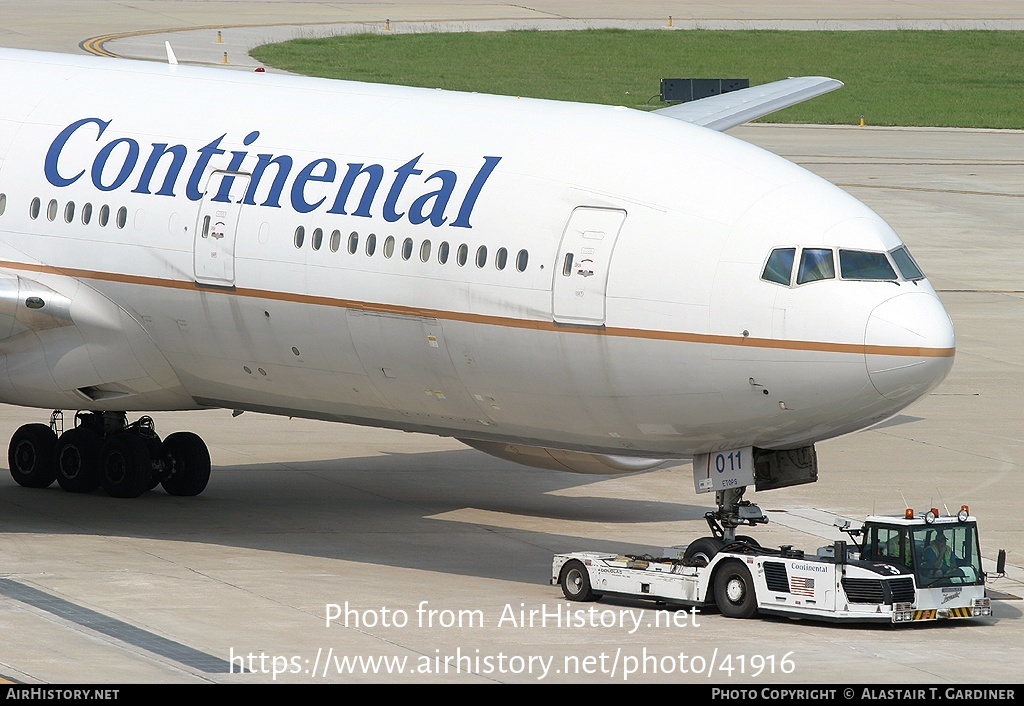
557	275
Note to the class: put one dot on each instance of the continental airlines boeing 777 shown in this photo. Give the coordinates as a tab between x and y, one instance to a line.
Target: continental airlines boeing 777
574	286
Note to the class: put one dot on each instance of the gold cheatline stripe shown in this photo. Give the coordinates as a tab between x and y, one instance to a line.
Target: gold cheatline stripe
716	339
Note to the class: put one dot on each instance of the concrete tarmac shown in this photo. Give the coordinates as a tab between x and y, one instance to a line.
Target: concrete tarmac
442	554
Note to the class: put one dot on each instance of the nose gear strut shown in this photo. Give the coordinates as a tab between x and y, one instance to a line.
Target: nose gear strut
733	512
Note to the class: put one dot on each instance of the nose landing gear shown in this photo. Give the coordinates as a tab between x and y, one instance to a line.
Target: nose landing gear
733	512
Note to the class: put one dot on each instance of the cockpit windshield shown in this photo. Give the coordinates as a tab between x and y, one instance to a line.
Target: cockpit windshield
816	264
862	264
908	268
779	267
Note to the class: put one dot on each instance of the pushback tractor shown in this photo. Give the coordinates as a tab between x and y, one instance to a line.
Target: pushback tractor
893	569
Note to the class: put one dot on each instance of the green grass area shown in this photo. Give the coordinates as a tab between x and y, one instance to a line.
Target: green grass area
935	78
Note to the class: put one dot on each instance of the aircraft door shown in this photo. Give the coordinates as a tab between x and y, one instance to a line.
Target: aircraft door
217	227
581	270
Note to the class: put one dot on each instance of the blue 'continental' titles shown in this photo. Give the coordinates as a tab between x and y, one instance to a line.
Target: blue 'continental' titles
120	163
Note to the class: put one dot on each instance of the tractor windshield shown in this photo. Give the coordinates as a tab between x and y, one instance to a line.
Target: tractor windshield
938	554
946	555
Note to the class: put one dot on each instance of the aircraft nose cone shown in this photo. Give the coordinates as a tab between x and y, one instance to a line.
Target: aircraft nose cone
909	346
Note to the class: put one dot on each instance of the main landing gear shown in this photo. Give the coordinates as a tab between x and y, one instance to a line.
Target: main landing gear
104	450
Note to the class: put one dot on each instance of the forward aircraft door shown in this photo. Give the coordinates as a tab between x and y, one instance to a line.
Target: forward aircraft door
581	270
217	227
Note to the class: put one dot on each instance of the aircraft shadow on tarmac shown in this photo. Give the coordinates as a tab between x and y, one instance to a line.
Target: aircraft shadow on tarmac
898	420
377	510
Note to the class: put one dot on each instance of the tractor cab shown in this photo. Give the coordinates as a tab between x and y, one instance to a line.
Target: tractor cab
940	551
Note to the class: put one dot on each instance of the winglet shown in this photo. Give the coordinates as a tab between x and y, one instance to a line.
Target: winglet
171	58
728	110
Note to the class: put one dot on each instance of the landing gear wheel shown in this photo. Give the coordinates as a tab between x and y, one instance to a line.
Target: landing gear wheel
734	590
575	582
186	462
155	447
30	456
125	466
77	460
701	552
748	540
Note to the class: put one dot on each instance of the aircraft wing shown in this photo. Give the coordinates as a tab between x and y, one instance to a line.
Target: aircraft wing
728	110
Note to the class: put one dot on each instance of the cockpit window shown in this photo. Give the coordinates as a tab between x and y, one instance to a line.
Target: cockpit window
908	268
858	264
779	267
815	264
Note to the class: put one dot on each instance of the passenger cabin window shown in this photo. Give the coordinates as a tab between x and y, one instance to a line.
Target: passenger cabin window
908	268
858	264
33	209
815	264
406	249
86	213
521	260
779	267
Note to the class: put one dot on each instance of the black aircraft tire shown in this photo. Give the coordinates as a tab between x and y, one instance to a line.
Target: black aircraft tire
125	466
700	552
575	582
30	456
734	590
188	460
77	460
155	447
